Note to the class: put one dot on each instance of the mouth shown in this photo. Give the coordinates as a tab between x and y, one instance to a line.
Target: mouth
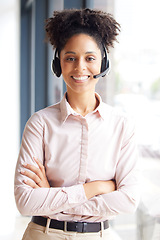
80	78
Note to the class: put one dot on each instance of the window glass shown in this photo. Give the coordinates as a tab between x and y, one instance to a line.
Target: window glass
134	87
55	85
137	91
137	58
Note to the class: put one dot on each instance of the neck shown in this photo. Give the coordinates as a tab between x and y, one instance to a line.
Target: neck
82	103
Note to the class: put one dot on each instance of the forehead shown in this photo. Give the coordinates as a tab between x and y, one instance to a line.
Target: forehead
82	41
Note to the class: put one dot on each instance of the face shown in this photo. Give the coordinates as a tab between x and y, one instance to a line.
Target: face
80	60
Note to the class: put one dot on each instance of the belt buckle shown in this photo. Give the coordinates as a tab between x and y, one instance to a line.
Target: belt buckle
84	227
80	227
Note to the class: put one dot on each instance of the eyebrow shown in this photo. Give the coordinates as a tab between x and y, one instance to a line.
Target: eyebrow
91	52
70	52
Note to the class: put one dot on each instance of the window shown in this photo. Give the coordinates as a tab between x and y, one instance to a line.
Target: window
39	88
137	91
33	76
134	87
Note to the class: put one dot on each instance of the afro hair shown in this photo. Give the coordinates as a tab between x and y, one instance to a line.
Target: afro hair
66	23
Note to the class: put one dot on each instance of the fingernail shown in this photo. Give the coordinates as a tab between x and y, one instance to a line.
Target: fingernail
22	171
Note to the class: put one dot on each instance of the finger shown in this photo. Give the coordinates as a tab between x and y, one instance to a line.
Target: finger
32	176
34	169
40	165
31	184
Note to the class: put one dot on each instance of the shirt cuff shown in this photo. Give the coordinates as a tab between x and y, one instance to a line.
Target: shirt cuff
76	194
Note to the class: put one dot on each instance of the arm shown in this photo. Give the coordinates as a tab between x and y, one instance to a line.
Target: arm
32	191
38	179
126	198
40	200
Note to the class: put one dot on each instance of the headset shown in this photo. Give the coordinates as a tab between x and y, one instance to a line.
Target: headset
105	66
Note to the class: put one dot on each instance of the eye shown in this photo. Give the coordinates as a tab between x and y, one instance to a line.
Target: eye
70	59
90	59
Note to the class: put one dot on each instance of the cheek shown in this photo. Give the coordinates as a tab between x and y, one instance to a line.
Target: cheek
98	64
64	68
96	67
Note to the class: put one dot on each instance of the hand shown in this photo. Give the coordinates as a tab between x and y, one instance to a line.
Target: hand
37	174
106	186
99	187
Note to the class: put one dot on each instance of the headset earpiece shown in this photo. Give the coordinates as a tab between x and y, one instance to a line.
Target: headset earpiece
103	65
55	65
105	62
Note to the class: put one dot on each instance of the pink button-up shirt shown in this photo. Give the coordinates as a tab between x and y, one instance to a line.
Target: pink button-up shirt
75	150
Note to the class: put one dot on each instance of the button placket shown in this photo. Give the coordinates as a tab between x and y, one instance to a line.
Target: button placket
84	152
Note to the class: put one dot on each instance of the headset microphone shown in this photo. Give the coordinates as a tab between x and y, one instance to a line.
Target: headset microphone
105	71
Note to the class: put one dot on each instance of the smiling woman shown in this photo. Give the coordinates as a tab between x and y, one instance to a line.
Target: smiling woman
78	156
80	64
78	68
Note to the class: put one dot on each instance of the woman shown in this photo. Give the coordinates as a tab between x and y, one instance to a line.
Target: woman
77	163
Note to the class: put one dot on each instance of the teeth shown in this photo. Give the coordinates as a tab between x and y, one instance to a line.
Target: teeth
81	78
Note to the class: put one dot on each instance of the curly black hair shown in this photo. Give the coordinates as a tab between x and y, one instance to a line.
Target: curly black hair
97	24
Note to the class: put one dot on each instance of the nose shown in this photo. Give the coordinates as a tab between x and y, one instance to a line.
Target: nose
80	65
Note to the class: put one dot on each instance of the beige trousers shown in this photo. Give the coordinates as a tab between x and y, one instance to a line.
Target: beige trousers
37	232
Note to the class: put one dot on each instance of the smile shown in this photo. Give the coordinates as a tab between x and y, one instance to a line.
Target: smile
81	78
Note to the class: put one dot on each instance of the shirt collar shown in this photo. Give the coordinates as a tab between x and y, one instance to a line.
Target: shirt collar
100	108
66	109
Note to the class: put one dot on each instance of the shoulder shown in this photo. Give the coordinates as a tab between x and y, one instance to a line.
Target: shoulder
44	115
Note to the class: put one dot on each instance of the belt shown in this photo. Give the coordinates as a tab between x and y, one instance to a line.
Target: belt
81	227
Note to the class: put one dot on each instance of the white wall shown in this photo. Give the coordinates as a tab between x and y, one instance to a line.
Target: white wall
9	110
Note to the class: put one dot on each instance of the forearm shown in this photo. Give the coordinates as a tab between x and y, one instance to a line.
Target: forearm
109	205
47	201
43	201
124	199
